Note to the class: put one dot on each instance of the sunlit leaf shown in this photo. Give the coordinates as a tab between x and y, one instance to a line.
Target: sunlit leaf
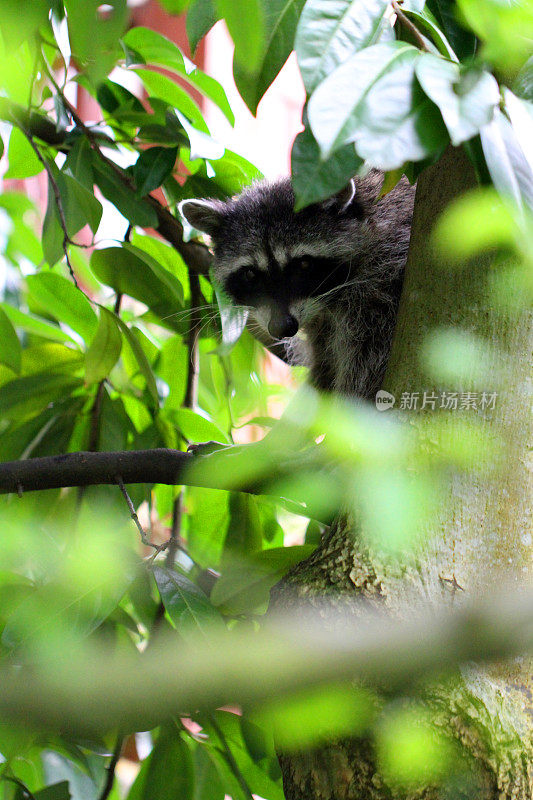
10	348
23	162
329	33
60	298
466	101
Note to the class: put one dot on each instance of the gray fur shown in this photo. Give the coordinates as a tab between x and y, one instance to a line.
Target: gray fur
344	334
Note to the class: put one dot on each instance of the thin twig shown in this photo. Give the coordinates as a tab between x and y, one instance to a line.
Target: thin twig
411	27
144	539
59	203
110	769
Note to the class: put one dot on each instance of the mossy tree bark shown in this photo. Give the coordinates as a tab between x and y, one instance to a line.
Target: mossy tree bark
480	540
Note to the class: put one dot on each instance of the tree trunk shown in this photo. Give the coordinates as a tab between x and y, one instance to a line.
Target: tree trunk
480	541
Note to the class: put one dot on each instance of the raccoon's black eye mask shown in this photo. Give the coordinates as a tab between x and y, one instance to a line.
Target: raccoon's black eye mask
302	277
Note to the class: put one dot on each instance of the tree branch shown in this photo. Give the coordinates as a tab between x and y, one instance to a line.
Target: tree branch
159	465
84	690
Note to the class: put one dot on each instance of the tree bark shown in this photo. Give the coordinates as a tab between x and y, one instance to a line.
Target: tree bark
480	539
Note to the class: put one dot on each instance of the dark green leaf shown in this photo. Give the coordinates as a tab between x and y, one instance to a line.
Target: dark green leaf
113	97
123	197
152	167
60	298
245	588
280	18
25	397
466	101
244	531
10	348
1	147
168	772
426	23
142	361
58	791
186	604
104	349
208	785
313	179
201	17
462	40
329	33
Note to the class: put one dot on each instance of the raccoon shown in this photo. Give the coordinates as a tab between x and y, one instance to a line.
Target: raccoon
324	281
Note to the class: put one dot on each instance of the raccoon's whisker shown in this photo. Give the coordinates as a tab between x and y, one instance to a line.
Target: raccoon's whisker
187	311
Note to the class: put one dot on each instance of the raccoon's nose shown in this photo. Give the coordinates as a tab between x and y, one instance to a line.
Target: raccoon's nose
283	326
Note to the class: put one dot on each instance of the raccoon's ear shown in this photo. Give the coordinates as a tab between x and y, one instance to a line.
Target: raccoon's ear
204	215
344	198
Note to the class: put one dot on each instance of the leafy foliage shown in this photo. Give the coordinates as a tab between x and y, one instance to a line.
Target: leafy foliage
105	361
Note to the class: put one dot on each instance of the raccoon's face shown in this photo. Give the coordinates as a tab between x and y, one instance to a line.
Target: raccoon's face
282	264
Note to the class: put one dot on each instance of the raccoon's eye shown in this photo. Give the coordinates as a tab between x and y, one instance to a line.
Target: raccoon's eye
247	274
302	263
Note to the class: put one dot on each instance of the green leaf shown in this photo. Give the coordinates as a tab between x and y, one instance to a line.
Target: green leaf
141	359
130	270
79	163
60	298
23	163
104	349
466	101
186	604
166	89
245	588
152	167
10	348
201	17
245	23
115	98
329	33
196	428
123	197
1	147
80	207
523	85
175	6
279	20
244	531
34	325
25	397
506	29
314	180
510	170
425	21
155	48
462	40
168	772
58	791
374	100
93	35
